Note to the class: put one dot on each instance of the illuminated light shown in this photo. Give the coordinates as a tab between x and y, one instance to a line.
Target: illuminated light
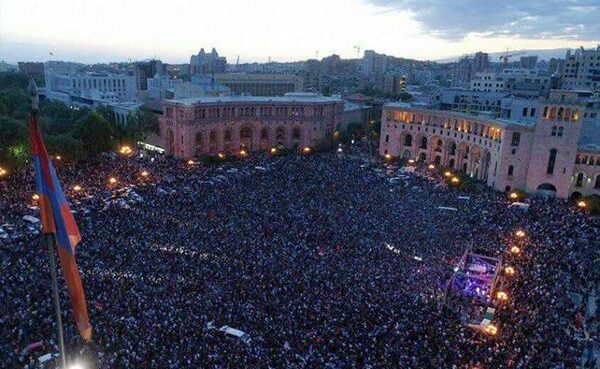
76	366
515	250
447	174
221	155
411	161
273	150
243	152
502	296
306	150
191	162
35	197
3	172
514	195
125	150
388	157
112	180
58	157
491	329
352	142
340	150
582	204
144	173
77	188
431	166
520	233
509	270
455	180
336	134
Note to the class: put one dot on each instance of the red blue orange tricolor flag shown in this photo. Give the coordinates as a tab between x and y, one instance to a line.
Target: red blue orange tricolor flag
57	219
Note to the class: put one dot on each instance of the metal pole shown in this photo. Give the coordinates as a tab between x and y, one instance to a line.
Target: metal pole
61	341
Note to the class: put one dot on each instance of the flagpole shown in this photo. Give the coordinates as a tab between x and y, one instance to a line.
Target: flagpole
61	340
50	241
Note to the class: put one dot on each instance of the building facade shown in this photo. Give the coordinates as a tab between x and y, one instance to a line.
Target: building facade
98	86
582	69
207	63
210	125
260	84
539	154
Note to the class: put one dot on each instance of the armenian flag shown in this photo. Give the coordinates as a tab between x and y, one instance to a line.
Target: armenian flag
58	220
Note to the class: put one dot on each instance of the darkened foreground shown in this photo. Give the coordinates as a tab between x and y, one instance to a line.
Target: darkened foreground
313	257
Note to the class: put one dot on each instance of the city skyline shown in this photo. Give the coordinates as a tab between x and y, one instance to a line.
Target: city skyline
66	30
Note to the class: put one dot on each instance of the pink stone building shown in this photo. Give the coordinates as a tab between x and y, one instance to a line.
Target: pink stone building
210	125
542	155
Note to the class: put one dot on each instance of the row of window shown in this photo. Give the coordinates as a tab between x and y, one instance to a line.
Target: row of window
561	113
248	111
466	126
117	84
587	160
579	181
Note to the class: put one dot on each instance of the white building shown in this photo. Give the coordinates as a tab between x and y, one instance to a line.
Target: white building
96	86
582	69
488	82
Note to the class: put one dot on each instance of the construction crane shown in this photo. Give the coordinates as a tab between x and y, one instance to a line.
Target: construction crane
506	56
357	48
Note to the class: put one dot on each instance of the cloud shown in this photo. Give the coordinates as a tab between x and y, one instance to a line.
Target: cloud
549	19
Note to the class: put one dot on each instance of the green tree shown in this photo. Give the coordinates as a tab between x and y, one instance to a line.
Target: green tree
67	146
13	142
94	132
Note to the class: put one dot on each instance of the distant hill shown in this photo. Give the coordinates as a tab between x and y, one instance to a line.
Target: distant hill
543	54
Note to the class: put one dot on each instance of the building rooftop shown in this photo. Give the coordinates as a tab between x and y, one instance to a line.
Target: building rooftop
288	98
499	121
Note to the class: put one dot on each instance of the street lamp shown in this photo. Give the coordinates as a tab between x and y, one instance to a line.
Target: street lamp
144	173
455	180
190	162
273	150
514	195
582	204
520	233
509	270
77	188
448	173
221	156
243	153
306	150
35	197
411	161
2	172
515	250
388	157
112	180
431	166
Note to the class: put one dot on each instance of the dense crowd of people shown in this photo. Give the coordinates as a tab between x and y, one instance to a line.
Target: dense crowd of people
320	259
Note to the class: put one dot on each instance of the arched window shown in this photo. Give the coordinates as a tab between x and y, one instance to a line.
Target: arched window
280	133
227	136
561	111
597	183
408	140
453	149
387	138
424	143
198	143
296	133
245	132
438	146
451	163
511	170
579	181
213	137
264	134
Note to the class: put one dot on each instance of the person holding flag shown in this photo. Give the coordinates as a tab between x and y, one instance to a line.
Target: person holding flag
59	228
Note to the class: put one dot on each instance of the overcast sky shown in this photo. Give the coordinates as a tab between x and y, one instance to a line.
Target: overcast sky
287	30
